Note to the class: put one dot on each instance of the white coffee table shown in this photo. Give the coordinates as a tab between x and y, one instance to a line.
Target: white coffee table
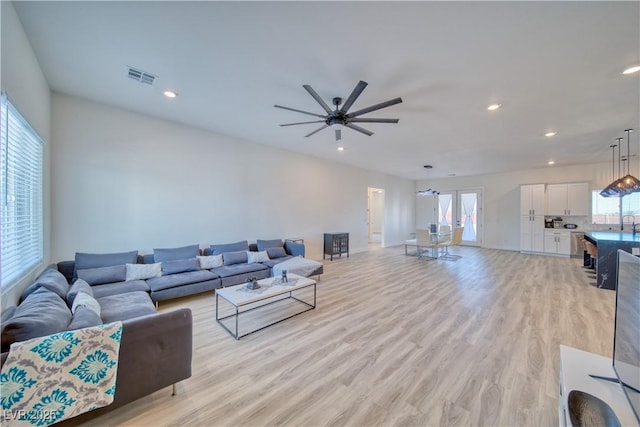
271	291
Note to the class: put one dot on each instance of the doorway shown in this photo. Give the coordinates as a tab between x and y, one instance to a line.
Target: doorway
462	208
375	217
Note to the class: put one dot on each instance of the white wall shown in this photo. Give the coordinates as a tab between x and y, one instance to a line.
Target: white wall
124	181
502	196
22	79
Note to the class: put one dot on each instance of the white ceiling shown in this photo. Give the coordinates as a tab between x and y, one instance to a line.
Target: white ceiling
552	66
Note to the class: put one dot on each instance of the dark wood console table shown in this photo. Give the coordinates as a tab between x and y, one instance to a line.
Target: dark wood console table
336	244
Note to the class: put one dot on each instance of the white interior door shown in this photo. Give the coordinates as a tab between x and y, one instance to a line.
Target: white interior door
462	208
376	215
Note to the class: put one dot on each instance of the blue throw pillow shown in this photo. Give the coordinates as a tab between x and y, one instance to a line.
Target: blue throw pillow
264	244
170	254
230	258
276	253
242	245
179	266
101	275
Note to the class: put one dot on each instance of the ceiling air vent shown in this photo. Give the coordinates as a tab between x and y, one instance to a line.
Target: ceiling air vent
141	76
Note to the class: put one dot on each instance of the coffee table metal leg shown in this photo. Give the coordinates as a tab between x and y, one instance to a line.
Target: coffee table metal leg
237	316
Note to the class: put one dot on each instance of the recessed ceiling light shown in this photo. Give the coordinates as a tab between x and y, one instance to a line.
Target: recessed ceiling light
170	94
551	162
632	70
493	107
550	134
341	148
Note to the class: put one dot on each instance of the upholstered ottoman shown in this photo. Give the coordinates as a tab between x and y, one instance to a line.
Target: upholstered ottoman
298	265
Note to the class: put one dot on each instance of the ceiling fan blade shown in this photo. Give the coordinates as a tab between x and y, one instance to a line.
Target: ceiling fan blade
385	104
354	95
363	120
359	129
302	123
338	135
317	98
299	111
317	130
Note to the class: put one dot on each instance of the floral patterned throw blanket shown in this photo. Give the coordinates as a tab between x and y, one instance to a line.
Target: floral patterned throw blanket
48	379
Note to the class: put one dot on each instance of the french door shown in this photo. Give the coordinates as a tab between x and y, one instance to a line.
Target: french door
462	208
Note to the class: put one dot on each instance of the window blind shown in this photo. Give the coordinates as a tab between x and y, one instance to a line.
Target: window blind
21	156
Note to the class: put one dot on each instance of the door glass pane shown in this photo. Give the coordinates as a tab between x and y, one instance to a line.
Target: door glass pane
469	216
444	209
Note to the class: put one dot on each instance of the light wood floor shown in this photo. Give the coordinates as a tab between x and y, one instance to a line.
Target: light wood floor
396	340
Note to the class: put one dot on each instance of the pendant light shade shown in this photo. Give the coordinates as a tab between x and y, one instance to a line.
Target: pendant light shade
628	184
612	189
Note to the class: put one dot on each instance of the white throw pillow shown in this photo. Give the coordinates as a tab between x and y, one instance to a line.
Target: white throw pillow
88	301
257	256
210	261
143	271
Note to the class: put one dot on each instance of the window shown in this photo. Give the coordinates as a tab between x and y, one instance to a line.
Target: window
606	210
21	155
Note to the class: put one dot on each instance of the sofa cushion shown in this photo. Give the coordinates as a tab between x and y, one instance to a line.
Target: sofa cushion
179	266
100	275
264	244
270	263
260	256
117	288
84	317
41	313
143	271
170	254
242	245
78	286
173	280
85	260
125	306
86	300
50	279
236	269
238	257
211	261
276	253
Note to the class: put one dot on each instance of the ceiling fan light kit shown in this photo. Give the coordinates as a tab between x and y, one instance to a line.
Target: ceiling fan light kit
340	117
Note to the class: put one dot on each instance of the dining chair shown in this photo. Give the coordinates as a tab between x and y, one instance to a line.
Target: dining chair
456	239
445	229
424	242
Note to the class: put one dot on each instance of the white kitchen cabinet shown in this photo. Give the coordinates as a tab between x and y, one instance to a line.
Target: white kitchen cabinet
532	218
532	233
557	242
532	199
568	199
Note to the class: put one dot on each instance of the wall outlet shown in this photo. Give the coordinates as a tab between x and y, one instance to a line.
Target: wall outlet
635	251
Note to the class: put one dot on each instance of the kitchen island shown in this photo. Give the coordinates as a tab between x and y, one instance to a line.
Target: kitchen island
608	243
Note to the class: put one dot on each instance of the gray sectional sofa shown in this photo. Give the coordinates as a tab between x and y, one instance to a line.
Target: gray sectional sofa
155	348
170	273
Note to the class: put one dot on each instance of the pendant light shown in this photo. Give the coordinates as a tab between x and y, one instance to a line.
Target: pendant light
628	184
612	189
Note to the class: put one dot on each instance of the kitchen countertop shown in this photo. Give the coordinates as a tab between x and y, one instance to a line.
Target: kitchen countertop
613	236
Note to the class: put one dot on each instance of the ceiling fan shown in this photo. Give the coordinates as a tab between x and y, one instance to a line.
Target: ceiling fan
340	116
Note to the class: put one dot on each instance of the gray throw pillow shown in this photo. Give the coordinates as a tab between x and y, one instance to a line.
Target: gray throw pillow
231	258
264	244
179	266
101	275
171	254
78	286
85	260
50	279
41	313
276	253
242	245
84	317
